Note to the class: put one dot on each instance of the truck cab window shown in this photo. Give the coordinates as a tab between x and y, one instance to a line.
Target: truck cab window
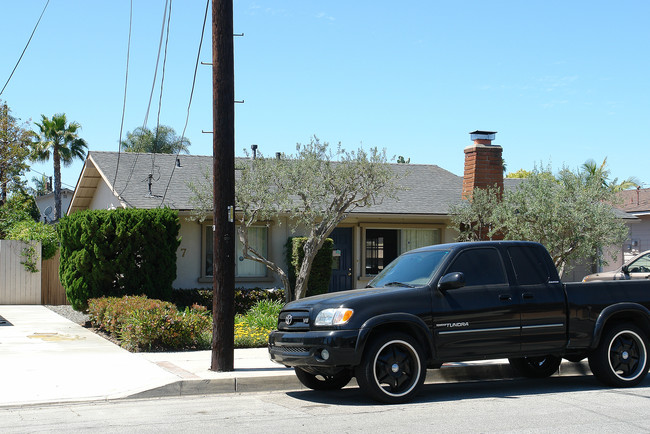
530	267
480	267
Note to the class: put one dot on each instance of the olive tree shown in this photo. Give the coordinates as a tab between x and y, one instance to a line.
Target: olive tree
570	213
315	189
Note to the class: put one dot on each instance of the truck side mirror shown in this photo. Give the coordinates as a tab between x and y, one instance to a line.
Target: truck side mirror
625	270
451	281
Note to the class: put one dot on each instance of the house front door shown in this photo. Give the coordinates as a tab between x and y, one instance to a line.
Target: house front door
341	260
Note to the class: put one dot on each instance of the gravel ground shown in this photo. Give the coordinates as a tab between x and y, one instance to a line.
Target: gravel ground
69	313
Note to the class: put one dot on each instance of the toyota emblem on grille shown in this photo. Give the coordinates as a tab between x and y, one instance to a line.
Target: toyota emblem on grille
288	319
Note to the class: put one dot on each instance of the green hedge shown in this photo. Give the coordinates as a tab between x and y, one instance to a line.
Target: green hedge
119	252
244	298
321	269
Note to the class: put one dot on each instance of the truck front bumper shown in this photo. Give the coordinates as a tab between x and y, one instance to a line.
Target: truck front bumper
332	348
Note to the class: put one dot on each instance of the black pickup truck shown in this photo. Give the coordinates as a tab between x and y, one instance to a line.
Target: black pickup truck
460	302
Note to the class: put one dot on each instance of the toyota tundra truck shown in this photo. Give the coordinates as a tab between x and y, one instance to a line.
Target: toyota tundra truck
460	302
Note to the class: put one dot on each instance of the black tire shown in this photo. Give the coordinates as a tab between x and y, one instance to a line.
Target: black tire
536	367
392	368
621	358
323	382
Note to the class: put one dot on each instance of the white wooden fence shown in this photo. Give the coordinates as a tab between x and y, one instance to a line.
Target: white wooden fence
17	284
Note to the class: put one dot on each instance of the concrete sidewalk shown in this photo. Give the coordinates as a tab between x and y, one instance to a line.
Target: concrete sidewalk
46	358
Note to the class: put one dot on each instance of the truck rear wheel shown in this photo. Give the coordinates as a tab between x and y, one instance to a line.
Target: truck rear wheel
392	369
536	367
323	382
621	358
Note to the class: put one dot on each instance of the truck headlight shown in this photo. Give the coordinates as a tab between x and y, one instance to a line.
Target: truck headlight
330	317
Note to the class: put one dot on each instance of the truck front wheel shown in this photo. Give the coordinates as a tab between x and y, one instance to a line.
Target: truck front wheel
323	382
621	358
392	368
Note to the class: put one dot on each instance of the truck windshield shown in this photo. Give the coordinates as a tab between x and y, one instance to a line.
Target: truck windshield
410	269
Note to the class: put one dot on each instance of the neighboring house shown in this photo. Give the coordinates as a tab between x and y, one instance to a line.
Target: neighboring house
636	203
45	204
367	240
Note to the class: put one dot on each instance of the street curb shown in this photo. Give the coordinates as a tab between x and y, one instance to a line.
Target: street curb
453	373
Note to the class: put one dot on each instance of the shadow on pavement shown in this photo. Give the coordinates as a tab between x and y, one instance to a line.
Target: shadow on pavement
504	389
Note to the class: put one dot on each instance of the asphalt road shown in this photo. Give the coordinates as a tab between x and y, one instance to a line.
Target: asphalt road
558	405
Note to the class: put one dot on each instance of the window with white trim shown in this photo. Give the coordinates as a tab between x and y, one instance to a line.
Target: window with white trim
257	238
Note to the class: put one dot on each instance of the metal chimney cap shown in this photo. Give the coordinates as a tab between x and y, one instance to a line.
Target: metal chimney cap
482	135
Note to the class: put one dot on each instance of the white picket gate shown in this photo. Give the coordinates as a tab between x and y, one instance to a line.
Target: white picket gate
17	284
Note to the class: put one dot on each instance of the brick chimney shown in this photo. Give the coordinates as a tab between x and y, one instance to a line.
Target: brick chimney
483	163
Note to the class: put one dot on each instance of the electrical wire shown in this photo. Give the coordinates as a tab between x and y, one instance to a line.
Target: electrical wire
126	81
25	49
162	82
155	74
48	176
153	86
189	105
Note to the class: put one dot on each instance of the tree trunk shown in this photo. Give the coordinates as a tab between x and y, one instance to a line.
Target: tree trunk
57	182
311	248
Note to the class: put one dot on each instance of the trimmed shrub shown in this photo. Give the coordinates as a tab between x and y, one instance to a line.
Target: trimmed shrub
142	324
244	298
183	298
321	269
118	252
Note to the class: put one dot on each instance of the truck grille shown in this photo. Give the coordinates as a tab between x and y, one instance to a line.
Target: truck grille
291	350
294	320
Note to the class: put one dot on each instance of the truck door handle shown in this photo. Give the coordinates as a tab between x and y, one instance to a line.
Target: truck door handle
505	297
527	296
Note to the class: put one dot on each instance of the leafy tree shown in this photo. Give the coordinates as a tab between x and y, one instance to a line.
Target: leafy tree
521	173
401	160
601	174
19	207
163	141
317	188
29	230
60	139
480	220
14	151
570	214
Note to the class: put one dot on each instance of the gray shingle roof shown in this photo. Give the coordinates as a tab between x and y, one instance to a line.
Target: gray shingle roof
429	188
132	183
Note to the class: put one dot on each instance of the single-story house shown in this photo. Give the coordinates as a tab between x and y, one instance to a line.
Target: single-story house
636	203
45	204
367	240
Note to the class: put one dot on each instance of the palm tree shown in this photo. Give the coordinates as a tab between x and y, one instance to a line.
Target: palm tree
59	139
164	141
601	173
41	186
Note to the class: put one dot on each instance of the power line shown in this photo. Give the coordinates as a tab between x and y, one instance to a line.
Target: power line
155	74
162	82
25	49
187	118
126	81
48	176
153	86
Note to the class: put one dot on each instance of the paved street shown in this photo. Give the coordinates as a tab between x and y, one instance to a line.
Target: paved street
558	405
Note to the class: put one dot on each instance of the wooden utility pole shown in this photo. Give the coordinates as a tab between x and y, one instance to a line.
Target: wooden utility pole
223	164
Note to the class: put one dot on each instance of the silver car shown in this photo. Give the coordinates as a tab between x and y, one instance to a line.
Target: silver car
636	268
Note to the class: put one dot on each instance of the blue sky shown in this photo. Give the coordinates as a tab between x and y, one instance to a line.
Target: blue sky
560	81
